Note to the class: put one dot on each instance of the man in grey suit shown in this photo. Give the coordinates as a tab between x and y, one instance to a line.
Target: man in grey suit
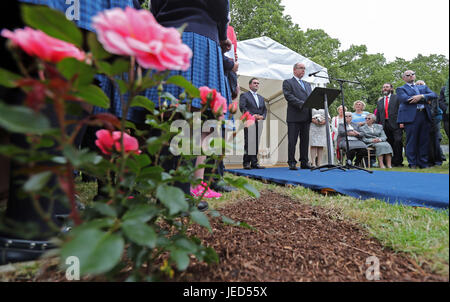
253	103
387	116
298	118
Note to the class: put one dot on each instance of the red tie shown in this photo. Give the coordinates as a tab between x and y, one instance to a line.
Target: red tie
386	105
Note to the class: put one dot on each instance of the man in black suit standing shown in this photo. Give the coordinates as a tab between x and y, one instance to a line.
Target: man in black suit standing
298	117
253	103
387	113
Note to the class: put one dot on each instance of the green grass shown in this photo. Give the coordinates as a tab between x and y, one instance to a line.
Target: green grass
421	233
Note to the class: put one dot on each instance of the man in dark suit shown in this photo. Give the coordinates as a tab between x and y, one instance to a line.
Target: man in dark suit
298	117
253	103
414	112
387	113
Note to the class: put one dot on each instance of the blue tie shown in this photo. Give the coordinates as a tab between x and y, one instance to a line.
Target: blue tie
419	106
301	84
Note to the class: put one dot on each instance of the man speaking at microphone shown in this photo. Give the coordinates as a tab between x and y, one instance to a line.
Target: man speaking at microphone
298	118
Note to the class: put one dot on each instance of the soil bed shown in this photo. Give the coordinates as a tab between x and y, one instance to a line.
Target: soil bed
295	242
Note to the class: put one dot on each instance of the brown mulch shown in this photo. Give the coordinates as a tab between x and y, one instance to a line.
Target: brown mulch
292	242
295	242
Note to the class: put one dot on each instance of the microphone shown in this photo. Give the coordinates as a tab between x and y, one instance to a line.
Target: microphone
314	73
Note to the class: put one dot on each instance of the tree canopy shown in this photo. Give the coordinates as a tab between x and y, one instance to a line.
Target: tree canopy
256	18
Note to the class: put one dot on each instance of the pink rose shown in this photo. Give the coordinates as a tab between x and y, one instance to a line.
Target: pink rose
37	43
207	95
219	107
233	108
247	119
108	142
136	33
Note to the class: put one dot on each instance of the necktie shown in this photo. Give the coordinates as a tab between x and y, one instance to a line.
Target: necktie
255	96
301	84
386	105
419	106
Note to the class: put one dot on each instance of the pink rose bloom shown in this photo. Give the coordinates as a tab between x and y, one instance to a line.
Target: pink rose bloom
233	108
37	43
136	33
108	141
207	94
248	119
219	107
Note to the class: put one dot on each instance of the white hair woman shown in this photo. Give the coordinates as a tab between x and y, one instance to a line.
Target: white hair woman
359	116
373	135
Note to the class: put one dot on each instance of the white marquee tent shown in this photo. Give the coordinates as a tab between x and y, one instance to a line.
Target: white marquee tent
271	63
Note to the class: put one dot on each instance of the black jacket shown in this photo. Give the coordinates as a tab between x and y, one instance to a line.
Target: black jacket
296	96
392	111
206	17
247	103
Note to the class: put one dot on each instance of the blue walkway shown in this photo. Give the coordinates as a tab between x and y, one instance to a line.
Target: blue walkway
408	188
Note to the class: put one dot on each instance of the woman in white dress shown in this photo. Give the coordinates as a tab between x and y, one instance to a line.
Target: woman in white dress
335	122
317	136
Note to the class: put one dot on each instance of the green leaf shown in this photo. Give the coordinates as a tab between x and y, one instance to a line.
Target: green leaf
140	233
181	258
180	81
120	66
142	101
18	119
80	158
70	67
201	219
96	47
7	78
53	23
173	198
186	245
94	95
105	209
37	182
243	184
143	160
140	213
98	251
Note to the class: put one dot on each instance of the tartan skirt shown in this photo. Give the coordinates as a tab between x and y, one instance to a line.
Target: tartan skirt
206	69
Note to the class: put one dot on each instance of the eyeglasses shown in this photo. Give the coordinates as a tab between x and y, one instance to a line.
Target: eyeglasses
368	118
348	116
409	75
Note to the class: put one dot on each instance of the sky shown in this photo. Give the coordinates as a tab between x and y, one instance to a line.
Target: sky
396	28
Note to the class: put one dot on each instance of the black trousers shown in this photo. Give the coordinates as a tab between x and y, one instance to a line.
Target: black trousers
395	139
296	130
252	136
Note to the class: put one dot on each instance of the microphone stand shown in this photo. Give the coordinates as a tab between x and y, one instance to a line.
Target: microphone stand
348	163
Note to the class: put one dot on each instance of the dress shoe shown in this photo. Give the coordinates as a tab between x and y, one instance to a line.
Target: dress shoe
247	167
202	206
293	167
258	167
21	250
222	187
306	166
412	167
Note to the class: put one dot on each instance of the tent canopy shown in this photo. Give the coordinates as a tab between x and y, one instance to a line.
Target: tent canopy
272	63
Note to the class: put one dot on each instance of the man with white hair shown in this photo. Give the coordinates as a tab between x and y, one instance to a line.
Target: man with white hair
414	112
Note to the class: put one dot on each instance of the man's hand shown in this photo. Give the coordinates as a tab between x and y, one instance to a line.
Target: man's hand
415	99
402	126
258	117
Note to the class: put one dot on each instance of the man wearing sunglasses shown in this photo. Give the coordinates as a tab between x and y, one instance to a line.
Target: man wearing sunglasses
414	112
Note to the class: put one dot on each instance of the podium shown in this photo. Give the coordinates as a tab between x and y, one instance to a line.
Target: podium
321	98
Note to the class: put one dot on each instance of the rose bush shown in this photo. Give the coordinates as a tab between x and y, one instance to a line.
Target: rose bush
142	216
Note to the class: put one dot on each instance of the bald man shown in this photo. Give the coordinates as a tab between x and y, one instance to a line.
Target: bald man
298	118
415	113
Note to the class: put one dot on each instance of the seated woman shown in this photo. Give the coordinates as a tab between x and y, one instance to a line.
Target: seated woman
355	145
374	136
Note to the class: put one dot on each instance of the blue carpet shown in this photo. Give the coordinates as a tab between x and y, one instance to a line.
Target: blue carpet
408	188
